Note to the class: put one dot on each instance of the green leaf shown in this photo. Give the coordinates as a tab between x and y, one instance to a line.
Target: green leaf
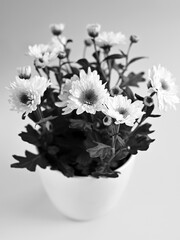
80	124
43	120
101	150
129	93
113	57
133	79
144	129
84	63
140	142
30	161
139	97
31	136
155	115
135	59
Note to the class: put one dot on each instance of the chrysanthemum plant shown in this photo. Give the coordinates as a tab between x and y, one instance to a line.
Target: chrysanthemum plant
87	122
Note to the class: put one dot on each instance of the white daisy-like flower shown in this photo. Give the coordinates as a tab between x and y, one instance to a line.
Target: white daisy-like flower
163	84
109	39
43	54
123	110
57	29
25	94
64	95
87	94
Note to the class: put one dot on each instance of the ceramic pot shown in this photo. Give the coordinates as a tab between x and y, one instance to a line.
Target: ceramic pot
85	198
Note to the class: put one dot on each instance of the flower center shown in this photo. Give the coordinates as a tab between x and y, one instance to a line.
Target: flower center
123	112
89	97
164	85
25	99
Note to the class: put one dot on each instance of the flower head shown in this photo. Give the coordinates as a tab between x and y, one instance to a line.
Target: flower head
162	83
134	39
87	94
24	72
109	39
25	95
57	29
43	54
123	110
93	30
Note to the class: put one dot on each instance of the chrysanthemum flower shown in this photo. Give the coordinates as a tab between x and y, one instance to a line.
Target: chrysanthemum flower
57	29
43	54
109	39
162	83
123	110
24	72
93	29
64	95
87	94
25	94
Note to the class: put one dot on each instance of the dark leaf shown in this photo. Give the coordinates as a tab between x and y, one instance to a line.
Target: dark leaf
133	79
144	129
80	124
84	63
43	120
96	55
31	136
100	150
114	56
155	115
30	161
139	97
128	92
135	59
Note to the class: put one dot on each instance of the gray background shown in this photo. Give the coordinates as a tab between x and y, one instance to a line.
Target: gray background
150	206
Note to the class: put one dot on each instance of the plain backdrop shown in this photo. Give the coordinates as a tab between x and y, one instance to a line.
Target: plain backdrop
150	206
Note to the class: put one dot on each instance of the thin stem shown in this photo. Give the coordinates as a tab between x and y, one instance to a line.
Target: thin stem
98	60
37	69
126	64
84	51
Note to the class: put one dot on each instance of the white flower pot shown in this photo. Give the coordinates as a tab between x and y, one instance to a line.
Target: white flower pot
85	198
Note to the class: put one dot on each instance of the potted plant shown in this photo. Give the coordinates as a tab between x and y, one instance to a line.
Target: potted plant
88	120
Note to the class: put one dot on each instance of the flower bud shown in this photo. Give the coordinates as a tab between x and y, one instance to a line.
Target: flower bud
57	29
115	91
148	101
107	121
88	42
62	54
93	30
134	39
24	72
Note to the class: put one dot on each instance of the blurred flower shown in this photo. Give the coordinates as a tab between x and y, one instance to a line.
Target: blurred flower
64	96
109	39
162	83
134	39
115	91
25	95
24	72
93	29
88	42
43	54
87	94
123	110
57	29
